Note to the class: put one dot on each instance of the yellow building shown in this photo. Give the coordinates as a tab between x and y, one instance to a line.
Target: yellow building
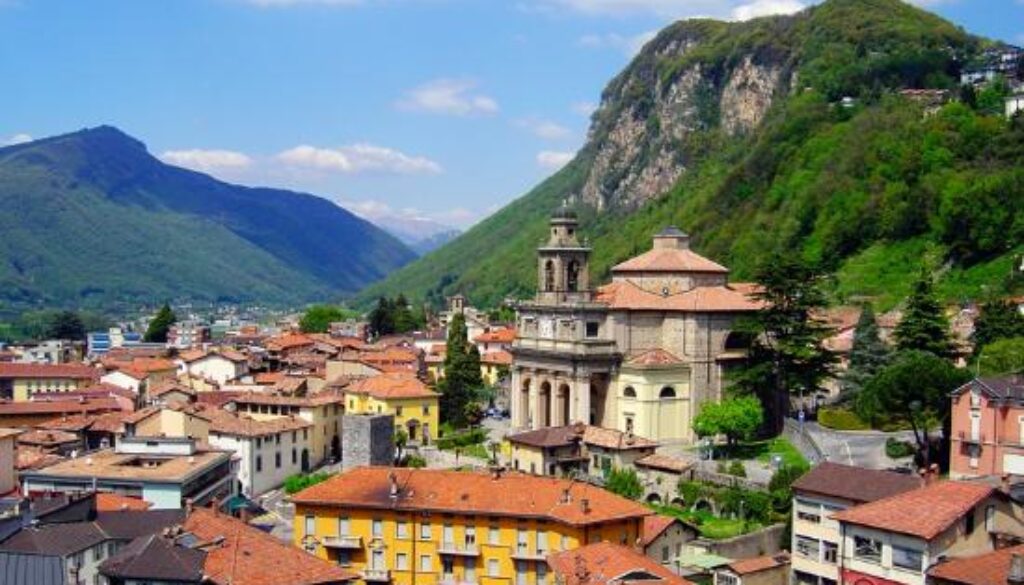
494	365
415	406
18	382
435	527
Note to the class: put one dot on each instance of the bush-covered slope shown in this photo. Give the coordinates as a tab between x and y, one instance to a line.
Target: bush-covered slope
91	218
735	132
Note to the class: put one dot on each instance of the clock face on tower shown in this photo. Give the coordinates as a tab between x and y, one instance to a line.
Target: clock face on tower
546	327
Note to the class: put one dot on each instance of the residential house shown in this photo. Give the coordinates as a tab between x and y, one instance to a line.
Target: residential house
267	451
163	471
766	570
49	441
664	538
576	448
821	492
477	322
218	366
498	339
324	411
428	526
897	539
1000	567
176	420
414	405
210	548
8	478
988	427
33	413
661	474
71	538
606	563
494	365
96	431
137	373
166	392
18	382
189	333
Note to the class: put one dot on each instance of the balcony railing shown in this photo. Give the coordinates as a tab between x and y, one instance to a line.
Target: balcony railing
524	553
343	542
468	549
376	575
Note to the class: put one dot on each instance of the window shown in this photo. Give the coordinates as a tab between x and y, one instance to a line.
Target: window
493	535
295	456
520	573
990	518
344	526
259	463
426	409
401	562
830	551
259	443
470	536
398	411
726	579
969	522
277	438
542	574
310	525
344	558
593	328
493	568
425	563
549	276
629	392
277	460
425	531
401	529
808	516
867	549
629	423
667	392
664	554
295	436
907	558
377	528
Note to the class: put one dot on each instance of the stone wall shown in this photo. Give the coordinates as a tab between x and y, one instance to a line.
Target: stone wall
766	541
367	440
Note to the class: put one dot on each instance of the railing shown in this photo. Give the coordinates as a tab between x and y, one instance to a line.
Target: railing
452	548
376	575
346	542
524	553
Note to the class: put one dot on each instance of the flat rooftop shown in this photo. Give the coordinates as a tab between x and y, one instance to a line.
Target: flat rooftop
107	464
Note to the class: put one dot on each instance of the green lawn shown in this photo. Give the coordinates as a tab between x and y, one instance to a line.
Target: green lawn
709	525
763	451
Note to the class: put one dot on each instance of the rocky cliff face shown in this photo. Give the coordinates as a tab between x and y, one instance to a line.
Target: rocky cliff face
664	104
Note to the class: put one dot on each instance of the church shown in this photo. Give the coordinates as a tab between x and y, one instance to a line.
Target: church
640	354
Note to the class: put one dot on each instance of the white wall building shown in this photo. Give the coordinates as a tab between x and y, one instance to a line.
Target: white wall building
266	452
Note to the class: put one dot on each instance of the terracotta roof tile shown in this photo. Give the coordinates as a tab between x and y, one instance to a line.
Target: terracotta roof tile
226	423
46	438
319	399
288	341
604	563
58	407
108	502
249	556
654	526
392	386
627	295
654	357
664	463
500	357
669	260
590	435
758	564
945	501
855	484
70	371
986	569
503	335
509	495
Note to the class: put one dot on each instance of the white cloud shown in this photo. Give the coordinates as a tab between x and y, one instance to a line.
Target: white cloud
759	8
584	109
19	138
448	96
357	158
546	129
207	160
630	45
553	160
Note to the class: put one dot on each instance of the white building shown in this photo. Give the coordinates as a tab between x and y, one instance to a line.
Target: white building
219	366
266	451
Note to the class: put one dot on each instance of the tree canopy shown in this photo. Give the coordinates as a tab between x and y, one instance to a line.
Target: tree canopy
1005	356
924	326
318	318
462	378
868	355
624	482
394	316
160	325
736	418
67	325
997	320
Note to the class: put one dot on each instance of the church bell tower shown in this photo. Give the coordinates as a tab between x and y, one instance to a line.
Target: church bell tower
563	263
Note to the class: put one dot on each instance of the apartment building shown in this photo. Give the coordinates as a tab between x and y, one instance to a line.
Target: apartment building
827	489
414	405
323	411
441	527
988	427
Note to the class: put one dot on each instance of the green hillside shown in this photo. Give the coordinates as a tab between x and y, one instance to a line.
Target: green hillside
93	220
868	189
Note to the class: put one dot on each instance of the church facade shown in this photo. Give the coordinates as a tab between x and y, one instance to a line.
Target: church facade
639	354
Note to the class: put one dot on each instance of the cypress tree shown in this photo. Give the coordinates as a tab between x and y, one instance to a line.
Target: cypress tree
924	326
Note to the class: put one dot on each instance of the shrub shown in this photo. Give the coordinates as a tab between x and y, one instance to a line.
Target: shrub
841	419
897	449
736	468
449	441
625	482
691	491
414	461
297	483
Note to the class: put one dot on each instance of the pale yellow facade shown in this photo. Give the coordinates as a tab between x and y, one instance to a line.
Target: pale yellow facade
654	401
418	417
23	388
173	423
423	548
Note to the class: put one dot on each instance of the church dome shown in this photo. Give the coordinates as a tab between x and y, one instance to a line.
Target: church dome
564	212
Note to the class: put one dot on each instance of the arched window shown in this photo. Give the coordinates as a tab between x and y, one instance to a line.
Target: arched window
667	392
549	276
572	276
629	392
737	341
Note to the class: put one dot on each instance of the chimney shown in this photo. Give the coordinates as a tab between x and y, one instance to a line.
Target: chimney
1004	483
585	505
215	506
1015	576
495	472
189	506
566	496
393	479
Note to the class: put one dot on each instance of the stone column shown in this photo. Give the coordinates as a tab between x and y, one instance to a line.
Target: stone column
515	399
533	420
581	399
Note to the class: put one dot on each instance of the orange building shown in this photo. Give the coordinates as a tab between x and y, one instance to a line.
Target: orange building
988	427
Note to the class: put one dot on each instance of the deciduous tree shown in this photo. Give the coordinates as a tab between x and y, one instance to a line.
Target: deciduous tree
160	325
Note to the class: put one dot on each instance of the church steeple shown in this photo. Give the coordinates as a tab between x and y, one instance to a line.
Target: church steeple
563	264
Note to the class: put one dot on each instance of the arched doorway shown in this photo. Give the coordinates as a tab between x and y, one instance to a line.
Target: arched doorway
653	498
561	416
413	428
544	405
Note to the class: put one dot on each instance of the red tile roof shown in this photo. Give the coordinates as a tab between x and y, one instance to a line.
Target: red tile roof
669	260
854	484
106	502
604	563
288	341
391	386
510	495
704	299
57	407
758	564
654	526
654	357
567	434
226	423
985	569
46	438
945	502
249	556
503	335
664	463
500	357
62	371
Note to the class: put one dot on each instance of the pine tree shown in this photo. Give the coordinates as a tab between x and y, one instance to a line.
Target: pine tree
160	325
868	355
924	327
788	356
67	325
462	378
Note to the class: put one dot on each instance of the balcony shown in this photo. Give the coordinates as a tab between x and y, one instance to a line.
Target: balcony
376	575
343	542
966	437
463	550
523	553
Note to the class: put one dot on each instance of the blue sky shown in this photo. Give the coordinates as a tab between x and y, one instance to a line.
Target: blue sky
442	109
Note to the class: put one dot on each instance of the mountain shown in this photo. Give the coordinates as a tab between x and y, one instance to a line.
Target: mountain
92	219
781	133
433	242
421	234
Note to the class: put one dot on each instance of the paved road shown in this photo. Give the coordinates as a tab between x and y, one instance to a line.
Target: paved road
860	448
